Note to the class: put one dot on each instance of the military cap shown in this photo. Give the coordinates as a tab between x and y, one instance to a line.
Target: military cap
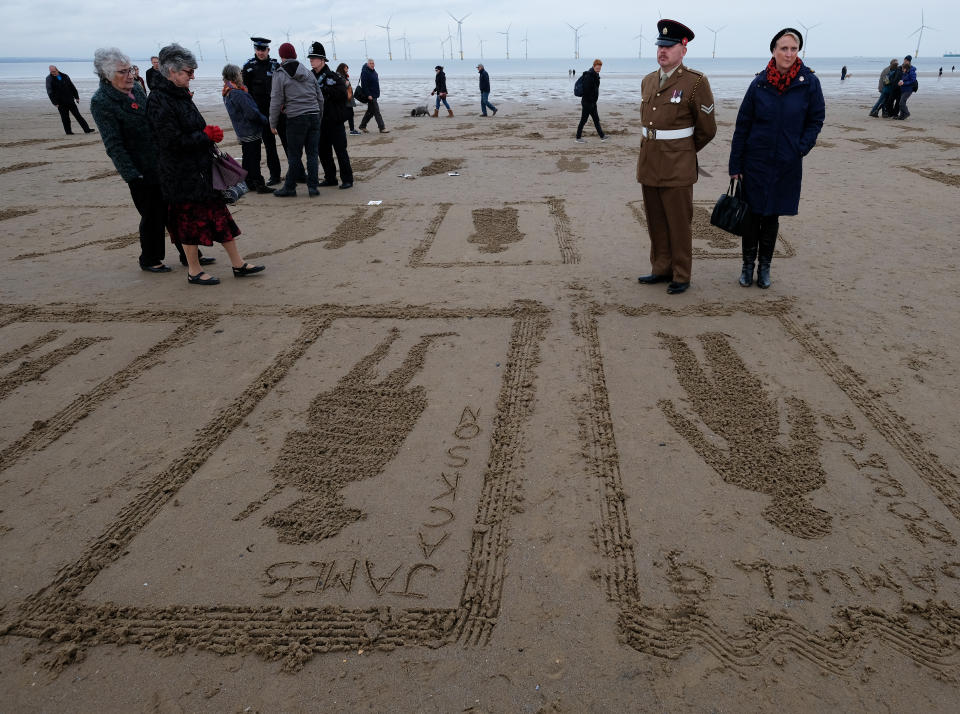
261	43
671	32
316	50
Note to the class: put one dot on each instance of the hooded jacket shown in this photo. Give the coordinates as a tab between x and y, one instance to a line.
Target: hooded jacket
125	131
294	91
773	133
440	82
591	87
370	81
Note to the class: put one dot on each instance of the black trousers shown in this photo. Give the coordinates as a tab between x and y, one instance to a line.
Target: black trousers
373	112
589	110
65	111
251	162
333	138
350	117
153	218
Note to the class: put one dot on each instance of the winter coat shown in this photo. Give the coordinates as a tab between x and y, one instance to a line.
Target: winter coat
773	133
184	152
258	79
591	87
125	131
61	91
152	75
440	83
333	87
295	91
370	81
248	122
484	81
909	77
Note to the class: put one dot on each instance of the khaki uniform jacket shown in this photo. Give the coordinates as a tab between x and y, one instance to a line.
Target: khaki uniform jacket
673	162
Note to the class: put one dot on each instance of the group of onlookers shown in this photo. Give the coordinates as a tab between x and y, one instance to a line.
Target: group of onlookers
897	83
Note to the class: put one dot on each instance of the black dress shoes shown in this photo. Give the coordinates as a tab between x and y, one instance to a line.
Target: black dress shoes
653	278
330	183
155	268
677	288
274	180
347	184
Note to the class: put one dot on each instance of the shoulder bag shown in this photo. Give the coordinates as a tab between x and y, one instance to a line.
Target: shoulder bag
228	177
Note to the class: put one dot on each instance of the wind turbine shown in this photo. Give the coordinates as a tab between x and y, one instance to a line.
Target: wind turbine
714	55
199	51
481	46
403	40
459	30
576	40
807	40
526	45
333	39
450	40
366	54
387	28
919	29
507	33
641	38
443	43
223	43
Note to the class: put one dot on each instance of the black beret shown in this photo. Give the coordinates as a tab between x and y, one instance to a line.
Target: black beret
787	31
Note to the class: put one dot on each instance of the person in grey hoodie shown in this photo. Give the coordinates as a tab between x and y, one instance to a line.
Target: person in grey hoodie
295	92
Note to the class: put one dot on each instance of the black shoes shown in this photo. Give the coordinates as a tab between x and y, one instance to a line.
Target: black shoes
207	260
246	269
652	278
195	279
89	131
313	192
677	288
155	268
284	192
347	184
274	180
763	274
334	182
262	188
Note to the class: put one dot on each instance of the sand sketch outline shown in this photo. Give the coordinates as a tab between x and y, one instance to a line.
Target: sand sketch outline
353	431
733	404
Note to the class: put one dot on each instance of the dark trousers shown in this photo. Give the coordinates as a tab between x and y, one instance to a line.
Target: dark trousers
303	133
333	138
153	218
881	103
373	112
589	110
65	111
904	96
270	148
350	118
669	213
251	162
892	104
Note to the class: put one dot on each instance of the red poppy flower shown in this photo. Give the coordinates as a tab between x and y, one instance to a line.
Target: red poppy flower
135	106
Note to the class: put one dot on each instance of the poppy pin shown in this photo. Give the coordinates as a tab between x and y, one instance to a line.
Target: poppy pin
134	106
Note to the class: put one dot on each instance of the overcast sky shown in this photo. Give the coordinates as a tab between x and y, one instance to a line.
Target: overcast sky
54	28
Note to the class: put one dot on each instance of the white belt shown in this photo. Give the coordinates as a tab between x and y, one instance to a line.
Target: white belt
667	133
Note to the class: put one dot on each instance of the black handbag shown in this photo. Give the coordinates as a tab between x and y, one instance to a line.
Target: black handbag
360	94
731	213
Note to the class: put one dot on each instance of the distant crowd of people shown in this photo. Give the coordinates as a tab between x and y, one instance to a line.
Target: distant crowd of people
897	83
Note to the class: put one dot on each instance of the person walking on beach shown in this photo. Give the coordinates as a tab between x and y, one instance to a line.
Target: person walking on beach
588	102
440	89
296	93
248	125
843	73
677	111
196	213
258	74
344	71
485	92
64	96
908	85
885	87
779	120
153	72
333	137
370	82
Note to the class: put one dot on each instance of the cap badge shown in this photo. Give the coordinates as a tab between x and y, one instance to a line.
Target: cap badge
664	31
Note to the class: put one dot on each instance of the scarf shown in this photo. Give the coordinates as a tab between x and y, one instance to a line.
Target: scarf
779	81
230	86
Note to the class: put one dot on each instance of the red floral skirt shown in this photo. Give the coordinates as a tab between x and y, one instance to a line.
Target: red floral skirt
201	223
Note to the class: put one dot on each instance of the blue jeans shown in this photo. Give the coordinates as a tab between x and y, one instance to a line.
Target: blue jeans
303	132
485	102
444	100
880	103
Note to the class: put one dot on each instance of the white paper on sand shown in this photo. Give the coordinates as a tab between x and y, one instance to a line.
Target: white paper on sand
453	173
408	176
374	203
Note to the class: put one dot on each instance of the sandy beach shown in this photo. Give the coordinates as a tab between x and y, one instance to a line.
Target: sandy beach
445	453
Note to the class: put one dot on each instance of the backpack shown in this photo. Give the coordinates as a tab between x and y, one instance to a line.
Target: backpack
578	87
916	85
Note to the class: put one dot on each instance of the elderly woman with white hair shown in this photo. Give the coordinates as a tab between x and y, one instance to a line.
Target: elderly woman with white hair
119	108
196	213
778	123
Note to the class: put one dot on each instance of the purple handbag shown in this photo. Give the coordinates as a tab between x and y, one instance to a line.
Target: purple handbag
228	177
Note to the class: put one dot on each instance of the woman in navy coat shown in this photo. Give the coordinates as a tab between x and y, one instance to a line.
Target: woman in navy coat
779	120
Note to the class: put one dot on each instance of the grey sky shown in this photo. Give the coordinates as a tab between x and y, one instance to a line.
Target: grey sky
53	28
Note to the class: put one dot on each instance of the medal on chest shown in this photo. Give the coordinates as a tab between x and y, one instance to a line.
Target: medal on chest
677	96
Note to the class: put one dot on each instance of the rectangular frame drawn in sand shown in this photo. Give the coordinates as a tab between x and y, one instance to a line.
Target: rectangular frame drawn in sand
839	462
293	634
367	168
708	240
556	215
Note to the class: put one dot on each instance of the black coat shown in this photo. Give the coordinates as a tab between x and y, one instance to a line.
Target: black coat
334	90
152	75
441	82
591	87
184	152
61	91
258	79
484	81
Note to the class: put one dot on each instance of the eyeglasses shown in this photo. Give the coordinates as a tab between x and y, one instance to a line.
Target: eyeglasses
188	72
128	70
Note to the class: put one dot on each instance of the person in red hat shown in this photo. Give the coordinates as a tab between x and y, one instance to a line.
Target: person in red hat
677	111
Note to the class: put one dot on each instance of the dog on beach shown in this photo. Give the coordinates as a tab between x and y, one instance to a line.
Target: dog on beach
420	111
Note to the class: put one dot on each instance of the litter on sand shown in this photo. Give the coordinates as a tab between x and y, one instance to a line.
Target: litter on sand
409	176
374	203
453	173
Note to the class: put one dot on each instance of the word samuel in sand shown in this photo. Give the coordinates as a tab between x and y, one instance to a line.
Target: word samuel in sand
353	432
735	407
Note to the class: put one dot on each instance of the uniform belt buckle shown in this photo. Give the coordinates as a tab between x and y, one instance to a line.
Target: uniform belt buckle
651	133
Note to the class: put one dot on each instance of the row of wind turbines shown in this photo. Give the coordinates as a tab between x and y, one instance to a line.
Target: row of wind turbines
446	43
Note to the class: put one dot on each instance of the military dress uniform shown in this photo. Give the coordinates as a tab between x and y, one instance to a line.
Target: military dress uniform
678	120
258	78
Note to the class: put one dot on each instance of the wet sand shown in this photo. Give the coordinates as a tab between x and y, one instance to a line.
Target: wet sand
445	453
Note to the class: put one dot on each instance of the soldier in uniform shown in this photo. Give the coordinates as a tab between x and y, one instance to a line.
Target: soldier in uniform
258	77
676	108
333	137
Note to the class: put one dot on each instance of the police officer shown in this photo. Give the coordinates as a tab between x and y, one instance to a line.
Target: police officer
677	112
258	77
333	137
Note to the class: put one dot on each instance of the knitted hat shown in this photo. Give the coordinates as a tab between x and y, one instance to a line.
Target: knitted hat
287	51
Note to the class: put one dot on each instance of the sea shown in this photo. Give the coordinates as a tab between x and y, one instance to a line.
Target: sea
410	81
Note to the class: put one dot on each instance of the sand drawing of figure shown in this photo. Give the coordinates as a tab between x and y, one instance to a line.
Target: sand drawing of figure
733	405
495	227
353	432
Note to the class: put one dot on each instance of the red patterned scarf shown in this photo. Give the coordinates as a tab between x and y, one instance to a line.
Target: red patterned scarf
782	81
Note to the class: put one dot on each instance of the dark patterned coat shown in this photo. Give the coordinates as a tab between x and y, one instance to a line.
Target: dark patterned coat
184	152
125	131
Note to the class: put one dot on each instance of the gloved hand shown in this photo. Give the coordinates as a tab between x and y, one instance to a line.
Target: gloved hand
215	133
